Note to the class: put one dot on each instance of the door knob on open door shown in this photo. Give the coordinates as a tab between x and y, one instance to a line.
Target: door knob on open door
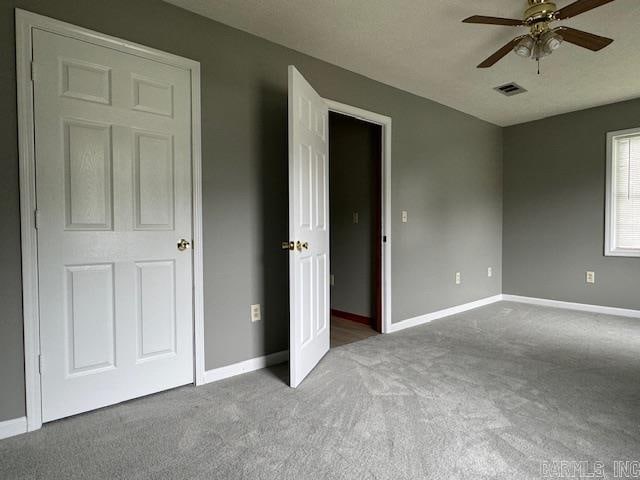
288	245
183	245
295	245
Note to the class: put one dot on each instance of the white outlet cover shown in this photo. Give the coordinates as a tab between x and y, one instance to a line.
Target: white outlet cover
405	216
489	272
458	278
356	217
256	315
591	277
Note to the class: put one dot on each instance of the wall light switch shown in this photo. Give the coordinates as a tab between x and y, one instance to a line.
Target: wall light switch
591	277
458	278
332	279
355	217
489	272
256	315
405	216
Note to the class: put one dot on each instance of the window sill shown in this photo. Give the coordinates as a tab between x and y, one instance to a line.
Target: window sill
622	253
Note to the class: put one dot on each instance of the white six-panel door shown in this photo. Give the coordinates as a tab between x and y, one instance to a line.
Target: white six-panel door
113	188
308	227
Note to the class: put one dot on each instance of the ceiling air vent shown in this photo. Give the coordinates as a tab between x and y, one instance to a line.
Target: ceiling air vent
510	89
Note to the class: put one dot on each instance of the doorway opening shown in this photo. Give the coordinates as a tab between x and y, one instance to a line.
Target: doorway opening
355	205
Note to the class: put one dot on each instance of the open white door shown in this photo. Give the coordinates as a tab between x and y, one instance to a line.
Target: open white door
308	227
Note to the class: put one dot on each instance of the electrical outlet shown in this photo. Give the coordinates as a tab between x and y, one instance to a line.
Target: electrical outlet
332	279
256	315
405	216
356	217
591	277
458	278
489	272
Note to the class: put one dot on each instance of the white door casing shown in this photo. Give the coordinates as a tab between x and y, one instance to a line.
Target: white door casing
113	192
385	124
309	333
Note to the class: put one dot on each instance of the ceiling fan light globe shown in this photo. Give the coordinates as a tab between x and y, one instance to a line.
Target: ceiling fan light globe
524	47
554	43
551	41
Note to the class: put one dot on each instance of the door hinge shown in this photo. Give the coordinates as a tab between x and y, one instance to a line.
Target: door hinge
33	71
384	239
40	364
36	218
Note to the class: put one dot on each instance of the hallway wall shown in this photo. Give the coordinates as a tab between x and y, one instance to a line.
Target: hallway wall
354	166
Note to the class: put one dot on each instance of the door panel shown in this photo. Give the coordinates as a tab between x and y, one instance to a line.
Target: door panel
153	184
152	96
113	188
308	224
88	175
321	204
86	81
90	318
322	292
155	296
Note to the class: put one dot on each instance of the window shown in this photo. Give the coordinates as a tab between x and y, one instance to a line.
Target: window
623	194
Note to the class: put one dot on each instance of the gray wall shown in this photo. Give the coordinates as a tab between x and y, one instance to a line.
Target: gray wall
354	160
554	206
446	173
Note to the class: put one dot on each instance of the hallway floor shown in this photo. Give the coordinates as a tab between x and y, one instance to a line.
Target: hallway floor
344	331
494	393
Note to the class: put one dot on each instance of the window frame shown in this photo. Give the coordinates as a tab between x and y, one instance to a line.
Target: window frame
610	248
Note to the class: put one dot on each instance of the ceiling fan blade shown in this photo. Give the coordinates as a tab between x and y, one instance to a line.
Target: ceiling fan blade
584	39
581	6
503	52
509	22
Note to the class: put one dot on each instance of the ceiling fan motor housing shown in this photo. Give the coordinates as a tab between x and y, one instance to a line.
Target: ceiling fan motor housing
539	11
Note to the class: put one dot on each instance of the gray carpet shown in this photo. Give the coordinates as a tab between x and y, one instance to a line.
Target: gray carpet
491	393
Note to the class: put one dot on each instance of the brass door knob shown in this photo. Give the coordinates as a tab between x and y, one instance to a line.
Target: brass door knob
302	245
288	245
183	245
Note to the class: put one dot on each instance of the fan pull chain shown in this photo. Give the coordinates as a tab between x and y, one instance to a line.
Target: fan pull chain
538	65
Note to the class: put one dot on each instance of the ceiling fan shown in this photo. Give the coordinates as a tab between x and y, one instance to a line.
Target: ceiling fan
542	39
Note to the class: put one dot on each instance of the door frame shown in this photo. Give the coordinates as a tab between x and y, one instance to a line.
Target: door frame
25	23
385	184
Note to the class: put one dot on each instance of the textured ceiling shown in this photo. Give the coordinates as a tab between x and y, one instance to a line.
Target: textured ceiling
422	47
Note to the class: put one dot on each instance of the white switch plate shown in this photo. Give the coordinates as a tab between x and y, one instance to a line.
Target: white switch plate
355	217
591	277
405	216
489	272
256	315
332	279
458	278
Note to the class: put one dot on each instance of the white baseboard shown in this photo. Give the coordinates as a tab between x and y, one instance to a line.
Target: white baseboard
15	426
429	317
582	307
246	366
